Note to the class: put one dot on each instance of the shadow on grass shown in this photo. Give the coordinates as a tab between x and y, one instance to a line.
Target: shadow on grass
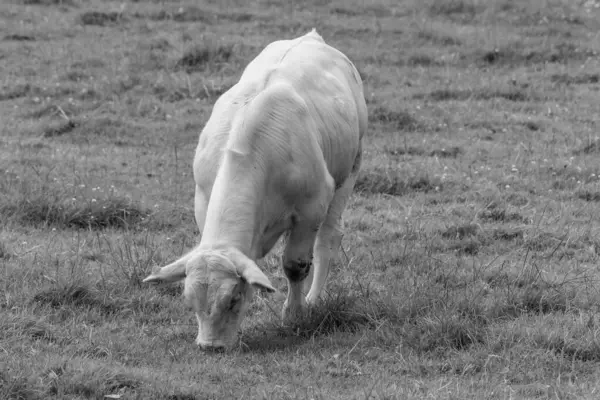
340	311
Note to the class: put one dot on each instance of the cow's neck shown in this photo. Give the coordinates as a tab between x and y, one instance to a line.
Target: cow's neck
233	209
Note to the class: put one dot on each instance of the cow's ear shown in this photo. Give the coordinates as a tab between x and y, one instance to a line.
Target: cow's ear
168	274
249	271
254	276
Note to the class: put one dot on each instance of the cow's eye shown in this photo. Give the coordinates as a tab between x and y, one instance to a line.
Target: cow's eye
235	299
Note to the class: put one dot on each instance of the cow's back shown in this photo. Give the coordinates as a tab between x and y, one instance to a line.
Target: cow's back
321	75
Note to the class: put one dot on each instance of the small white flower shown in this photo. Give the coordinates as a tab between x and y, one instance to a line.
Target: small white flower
507	186
93	200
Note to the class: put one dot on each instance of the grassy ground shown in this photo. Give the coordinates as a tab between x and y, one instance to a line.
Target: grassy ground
470	262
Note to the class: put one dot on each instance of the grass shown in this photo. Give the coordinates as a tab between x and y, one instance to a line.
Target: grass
469	261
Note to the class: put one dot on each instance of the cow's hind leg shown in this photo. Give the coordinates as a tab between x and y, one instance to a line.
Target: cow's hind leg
329	237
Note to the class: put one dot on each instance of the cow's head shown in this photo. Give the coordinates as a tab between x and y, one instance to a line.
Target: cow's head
219	285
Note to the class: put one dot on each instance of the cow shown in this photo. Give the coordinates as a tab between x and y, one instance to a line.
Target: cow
279	155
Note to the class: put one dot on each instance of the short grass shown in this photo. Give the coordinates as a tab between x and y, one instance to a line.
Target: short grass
469	267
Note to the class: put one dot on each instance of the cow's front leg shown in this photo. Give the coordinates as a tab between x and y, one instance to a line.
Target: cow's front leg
329	238
297	263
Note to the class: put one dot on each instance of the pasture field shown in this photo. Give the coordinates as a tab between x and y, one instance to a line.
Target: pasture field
469	267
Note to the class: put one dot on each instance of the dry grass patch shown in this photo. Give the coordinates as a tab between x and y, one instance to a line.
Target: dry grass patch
579	79
18	326
204	91
516	55
5	253
101	18
57	208
50	2
397	120
16	387
205	55
495	213
438	38
461	10
591	148
587	195
394	183
18	37
75	295
511	94
91	381
180	14
59	128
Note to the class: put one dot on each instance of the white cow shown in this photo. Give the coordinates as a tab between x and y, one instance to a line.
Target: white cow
279	154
